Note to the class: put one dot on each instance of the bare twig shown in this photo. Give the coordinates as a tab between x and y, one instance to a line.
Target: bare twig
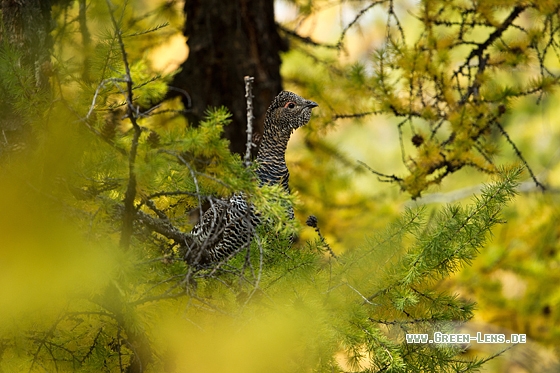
163	227
249	96
306	39
386	178
99	87
527	186
519	155
355	115
356	19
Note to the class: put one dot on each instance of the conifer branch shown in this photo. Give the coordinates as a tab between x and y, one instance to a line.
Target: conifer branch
88	123
193	175
172	193
135	338
479	363
451	233
148	31
481	48
430	89
157	298
410	220
132	112
43	341
258	277
92	346
312	222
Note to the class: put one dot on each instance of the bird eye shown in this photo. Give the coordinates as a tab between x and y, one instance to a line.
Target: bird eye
290	105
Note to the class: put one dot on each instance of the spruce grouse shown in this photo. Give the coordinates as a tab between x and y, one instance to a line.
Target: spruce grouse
228	226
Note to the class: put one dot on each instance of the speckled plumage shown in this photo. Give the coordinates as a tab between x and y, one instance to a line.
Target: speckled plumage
229	225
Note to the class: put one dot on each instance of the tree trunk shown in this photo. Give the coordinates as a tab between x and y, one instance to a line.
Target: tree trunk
24	27
228	40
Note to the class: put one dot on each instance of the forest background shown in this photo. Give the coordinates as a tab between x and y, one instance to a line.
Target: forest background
112	144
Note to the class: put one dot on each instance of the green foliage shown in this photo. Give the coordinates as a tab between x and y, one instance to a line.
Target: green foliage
21	97
381	89
103	320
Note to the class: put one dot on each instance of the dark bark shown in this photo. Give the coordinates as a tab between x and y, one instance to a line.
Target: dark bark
228	40
25	27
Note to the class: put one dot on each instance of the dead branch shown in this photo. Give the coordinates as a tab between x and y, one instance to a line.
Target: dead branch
249	96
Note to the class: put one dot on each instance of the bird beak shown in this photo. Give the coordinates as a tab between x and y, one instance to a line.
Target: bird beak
311	104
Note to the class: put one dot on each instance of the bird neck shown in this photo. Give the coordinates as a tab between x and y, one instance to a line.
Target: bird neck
272	168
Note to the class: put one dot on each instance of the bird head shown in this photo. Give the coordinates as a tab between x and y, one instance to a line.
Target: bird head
288	112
